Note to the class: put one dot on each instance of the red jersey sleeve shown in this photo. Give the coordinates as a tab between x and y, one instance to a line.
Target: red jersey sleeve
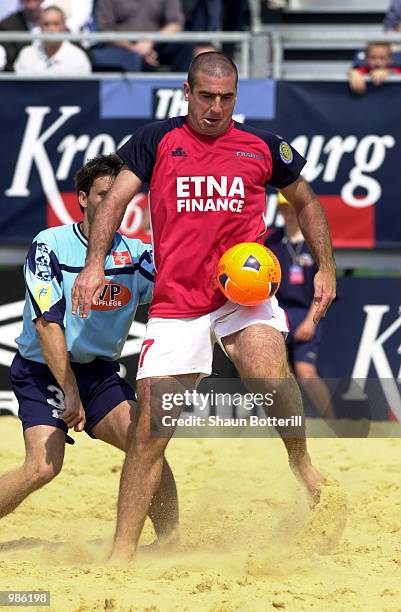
140	151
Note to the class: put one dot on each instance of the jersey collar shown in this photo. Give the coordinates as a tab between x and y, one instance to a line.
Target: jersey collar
79	234
82	238
203	136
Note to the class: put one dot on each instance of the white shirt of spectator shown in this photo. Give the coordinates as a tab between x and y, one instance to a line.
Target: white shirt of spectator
77	12
68	61
3	57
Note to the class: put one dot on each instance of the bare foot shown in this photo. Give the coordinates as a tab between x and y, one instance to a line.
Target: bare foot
310	477
120	558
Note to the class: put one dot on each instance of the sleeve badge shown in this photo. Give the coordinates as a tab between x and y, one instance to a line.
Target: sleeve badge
286	152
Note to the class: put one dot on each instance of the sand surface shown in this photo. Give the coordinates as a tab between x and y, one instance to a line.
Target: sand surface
250	541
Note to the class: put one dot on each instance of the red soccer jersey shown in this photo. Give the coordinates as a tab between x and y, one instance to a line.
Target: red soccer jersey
364	69
206	194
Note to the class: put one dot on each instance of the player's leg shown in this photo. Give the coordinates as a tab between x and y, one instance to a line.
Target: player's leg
259	354
44	446
117	428
173	354
143	466
315	387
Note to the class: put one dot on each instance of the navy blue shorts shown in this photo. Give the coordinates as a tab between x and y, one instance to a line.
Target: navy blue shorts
40	398
301	351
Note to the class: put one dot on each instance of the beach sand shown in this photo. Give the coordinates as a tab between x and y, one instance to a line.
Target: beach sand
250	540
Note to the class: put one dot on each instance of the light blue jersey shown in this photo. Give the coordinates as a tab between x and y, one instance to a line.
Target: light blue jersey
55	258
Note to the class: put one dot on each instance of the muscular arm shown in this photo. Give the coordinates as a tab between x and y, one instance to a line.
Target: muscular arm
173	26
107	220
109	215
313	223
54	350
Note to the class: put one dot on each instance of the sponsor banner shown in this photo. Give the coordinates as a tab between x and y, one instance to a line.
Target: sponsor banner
351	144
352	148
359	356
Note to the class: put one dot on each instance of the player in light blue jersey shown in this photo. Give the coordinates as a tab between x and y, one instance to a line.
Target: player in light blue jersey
65	371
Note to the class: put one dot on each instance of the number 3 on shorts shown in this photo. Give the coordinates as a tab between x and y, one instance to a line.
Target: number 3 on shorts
146	344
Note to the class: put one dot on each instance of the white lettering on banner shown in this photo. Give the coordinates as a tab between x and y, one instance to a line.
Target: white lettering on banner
213	186
132	220
102	144
170	103
69	147
33	150
369	156
33	153
371	352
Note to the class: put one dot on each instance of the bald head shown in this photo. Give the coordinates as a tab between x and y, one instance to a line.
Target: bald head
212	64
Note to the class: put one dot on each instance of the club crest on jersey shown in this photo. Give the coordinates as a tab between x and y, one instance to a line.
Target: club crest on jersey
113	296
43	293
286	152
122	258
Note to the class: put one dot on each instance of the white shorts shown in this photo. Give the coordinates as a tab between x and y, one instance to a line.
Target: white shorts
185	346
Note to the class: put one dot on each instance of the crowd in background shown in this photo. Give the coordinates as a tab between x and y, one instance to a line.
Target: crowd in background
165	16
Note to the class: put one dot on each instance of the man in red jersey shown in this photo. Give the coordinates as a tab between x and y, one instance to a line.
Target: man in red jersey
207	176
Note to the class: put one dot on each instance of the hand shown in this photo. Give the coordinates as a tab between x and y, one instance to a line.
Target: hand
73	415
379	76
325	291
143	47
152	59
86	289
357	82
305	331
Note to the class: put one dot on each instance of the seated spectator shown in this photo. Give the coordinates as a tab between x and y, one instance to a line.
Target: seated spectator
235	18
27	19
78	13
378	66
52	57
3	57
202	15
146	16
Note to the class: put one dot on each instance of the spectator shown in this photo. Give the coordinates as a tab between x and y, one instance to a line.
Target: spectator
392	19
78	13
146	16
9	7
295	295
378	66
235	18
204	47
52	57
202	15
3	58
27	19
